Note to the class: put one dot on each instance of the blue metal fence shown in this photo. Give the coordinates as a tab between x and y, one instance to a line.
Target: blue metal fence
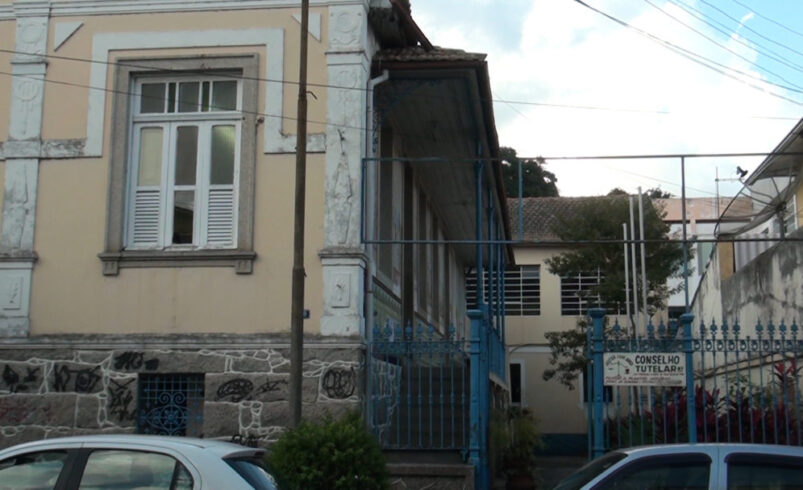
418	388
739	386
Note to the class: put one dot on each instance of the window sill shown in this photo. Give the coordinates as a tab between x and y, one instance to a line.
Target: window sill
241	260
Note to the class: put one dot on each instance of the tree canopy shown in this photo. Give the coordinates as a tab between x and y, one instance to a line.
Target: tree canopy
601	218
536	181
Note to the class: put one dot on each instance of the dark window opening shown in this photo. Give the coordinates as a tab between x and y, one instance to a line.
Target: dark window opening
170	404
515	383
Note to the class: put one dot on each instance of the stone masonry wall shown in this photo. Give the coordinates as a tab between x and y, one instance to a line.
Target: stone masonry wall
58	391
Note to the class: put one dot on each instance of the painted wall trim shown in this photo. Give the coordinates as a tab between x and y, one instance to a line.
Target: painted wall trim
513	350
272	39
86	342
111	7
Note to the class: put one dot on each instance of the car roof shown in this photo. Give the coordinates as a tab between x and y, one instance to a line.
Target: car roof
707	446
221	448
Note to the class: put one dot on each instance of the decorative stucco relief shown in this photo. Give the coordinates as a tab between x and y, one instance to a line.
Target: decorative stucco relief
26	106
347	26
31	38
19	204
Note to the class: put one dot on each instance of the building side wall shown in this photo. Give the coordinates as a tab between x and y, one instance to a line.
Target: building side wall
69	293
769	288
707	300
560	411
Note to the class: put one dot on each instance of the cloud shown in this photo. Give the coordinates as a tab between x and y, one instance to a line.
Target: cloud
569	55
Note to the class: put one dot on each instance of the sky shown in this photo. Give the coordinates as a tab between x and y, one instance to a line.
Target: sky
544	55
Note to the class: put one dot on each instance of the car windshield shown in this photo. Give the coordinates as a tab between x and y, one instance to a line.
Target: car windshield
590	471
252	471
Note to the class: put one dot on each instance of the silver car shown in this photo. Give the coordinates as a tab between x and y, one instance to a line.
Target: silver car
133	462
692	466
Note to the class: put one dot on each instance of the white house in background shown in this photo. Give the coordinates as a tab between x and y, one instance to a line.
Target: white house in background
757	279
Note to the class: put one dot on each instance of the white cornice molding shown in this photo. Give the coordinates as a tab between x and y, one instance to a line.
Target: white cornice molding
31	8
271	39
111	7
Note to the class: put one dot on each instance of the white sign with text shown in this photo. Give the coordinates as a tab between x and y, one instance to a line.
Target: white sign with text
644	369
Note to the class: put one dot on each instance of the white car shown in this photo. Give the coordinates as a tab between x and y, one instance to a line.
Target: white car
133	462
692	466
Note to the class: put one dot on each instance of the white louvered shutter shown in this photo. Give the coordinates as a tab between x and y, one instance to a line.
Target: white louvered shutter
151	149
147	210
220	217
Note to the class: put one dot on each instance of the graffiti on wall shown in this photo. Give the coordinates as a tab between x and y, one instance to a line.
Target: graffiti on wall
132	361
339	383
120	398
16	382
81	380
239	389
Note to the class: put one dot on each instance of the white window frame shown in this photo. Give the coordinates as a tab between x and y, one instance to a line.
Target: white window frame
240	255
170	122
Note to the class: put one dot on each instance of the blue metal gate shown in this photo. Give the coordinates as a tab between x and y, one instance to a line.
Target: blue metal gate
418	388
738	388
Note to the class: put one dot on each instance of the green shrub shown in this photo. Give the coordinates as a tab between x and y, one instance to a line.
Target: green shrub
330	454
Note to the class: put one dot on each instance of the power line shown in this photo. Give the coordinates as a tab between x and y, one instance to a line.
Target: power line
124	92
768	18
129	64
717	43
750	29
769	53
699	59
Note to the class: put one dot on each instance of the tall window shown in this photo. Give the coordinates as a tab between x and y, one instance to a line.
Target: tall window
184	163
522	290
575	293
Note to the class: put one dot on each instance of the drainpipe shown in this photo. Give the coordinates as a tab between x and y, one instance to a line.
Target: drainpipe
370	200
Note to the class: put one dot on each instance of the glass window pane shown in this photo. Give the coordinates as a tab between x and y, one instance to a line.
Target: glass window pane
171	97
763	474
183	215
186	154
224	96
188	97
222	168
205	97
150	156
127	470
688	475
152	98
33	470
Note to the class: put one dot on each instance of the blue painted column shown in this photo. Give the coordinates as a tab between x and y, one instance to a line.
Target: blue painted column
478	409
597	337
688	346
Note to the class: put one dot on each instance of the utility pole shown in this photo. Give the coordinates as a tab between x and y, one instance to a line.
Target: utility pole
297	308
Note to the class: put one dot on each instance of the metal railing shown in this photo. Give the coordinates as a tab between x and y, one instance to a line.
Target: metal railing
740	385
418	388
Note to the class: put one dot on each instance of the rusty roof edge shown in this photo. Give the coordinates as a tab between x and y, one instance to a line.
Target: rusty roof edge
410	24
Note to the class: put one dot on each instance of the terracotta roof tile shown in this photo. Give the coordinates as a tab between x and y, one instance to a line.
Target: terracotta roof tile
417	53
539	215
